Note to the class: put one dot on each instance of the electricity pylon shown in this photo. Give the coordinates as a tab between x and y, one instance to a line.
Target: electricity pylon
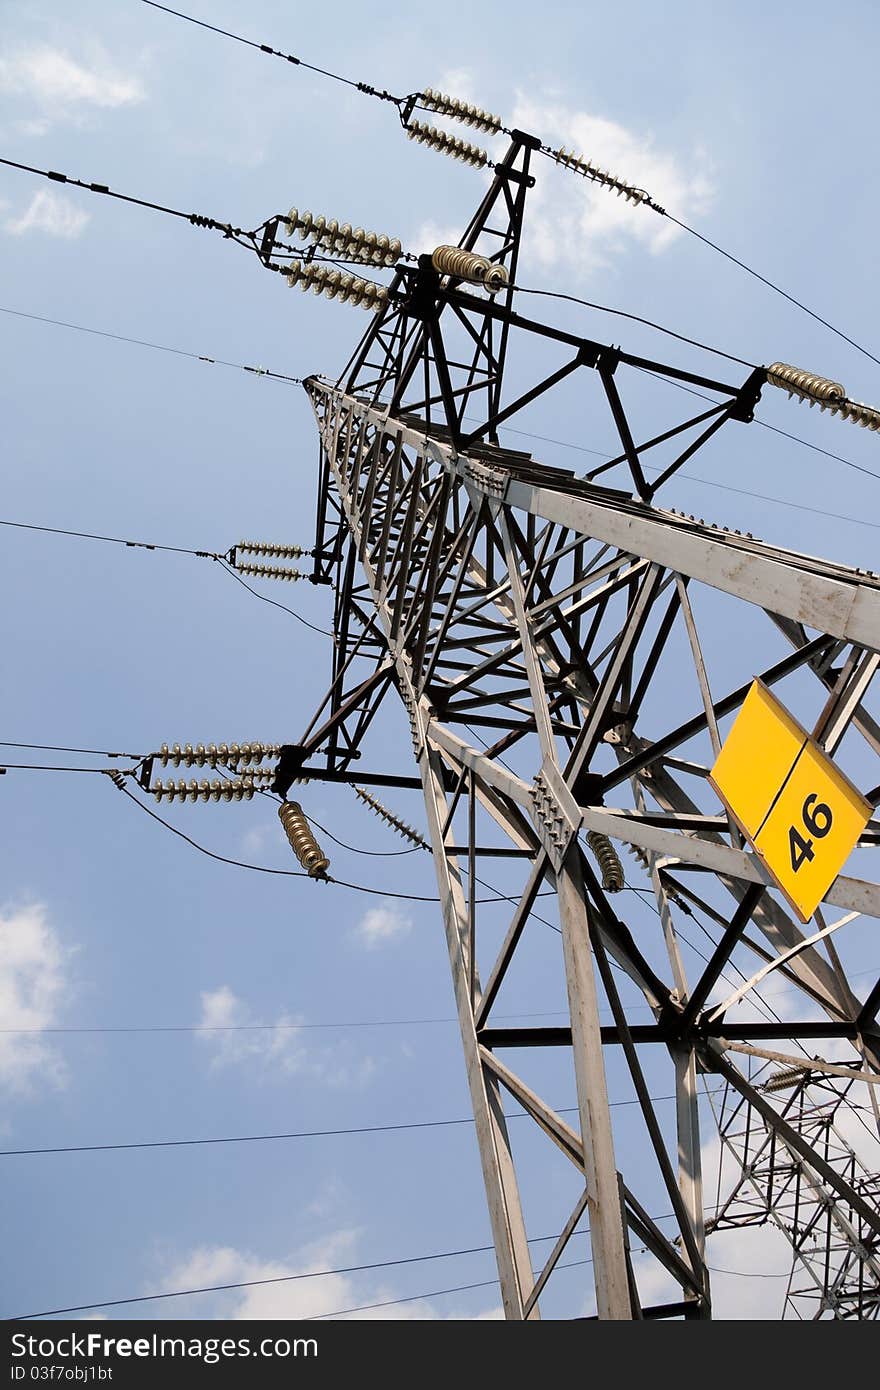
565	681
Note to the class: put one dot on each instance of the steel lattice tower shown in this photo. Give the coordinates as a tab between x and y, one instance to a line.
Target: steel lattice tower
497	594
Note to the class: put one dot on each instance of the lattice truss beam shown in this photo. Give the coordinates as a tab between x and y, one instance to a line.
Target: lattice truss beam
565	675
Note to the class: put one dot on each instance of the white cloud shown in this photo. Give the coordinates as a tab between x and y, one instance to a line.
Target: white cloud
283	1048
300	1298
430	235
381	924
579	225
58	83
50	213
458	82
32	988
255	840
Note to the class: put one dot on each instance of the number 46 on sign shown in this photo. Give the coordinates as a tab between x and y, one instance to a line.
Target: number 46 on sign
801	815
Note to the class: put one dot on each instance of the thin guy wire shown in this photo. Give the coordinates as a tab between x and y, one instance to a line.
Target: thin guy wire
375	853
526	434
288	873
770	285
342	1023
636	318
275	604
60	748
765	424
261	47
298	1134
113	540
356	1269
157	347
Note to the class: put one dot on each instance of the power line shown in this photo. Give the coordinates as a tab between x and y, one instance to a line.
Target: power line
56	177
60	748
112	540
255	1283
504	429
358	1269
274	602
341	1023
273	52
298	1134
177	549
289	873
550	154
765	424
293	1278
373	853
636	318
771	285
488	1283
46	767
156	347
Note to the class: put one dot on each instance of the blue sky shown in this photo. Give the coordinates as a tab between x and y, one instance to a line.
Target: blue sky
745	121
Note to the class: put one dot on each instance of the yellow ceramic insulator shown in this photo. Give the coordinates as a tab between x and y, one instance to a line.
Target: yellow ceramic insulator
608	861
468	265
828	395
302	840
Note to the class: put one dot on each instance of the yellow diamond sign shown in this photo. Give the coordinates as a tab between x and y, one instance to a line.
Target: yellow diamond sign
798	811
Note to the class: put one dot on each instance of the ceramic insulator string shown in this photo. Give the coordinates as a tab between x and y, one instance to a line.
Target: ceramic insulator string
267	571
591	171
401	826
608	861
302	839
642	858
447	144
468	265
337	284
459	110
283	552
343	240
215	754
818	390
785	1080
238	789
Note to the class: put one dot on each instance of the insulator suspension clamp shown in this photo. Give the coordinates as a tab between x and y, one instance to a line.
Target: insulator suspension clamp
462	111
468	265
447	144
302	839
569	160
343	240
818	390
337	284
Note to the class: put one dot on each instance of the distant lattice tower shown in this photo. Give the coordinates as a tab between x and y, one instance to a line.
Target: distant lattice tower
835	1269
